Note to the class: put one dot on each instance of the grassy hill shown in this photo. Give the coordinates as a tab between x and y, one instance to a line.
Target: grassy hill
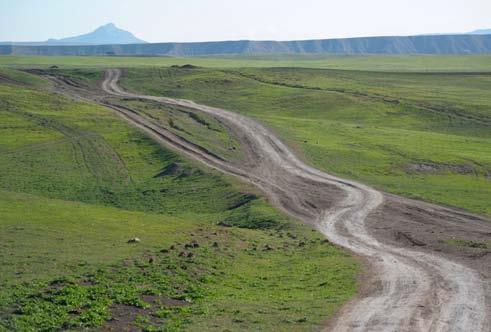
78	184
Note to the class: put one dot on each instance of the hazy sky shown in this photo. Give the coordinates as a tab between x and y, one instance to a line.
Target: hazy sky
200	20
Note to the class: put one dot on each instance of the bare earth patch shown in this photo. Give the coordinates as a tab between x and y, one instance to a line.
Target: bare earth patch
429	168
124	317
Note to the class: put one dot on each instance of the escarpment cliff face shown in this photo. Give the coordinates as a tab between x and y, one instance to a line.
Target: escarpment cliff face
437	44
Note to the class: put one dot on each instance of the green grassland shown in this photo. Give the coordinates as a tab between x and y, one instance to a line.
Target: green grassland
409	63
77	183
421	135
65	263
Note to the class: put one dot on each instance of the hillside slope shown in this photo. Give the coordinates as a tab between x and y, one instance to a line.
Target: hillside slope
78	184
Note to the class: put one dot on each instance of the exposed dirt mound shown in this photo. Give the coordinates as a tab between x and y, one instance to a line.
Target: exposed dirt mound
123	317
186	66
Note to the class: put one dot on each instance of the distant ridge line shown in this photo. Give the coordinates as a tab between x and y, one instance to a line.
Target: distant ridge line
391	45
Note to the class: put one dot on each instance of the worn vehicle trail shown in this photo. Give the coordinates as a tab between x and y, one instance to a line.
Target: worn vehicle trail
410	290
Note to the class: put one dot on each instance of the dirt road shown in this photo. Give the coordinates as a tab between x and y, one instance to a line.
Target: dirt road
408	289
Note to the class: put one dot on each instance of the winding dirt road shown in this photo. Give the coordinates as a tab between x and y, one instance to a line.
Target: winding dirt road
415	290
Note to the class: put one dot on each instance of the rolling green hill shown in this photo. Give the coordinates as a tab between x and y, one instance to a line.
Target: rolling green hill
77	185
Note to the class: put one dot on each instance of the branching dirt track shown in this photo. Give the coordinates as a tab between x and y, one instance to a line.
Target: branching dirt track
408	289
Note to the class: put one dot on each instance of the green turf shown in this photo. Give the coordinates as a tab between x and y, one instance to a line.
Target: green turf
76	183
462	94
416	63
69	256
421	135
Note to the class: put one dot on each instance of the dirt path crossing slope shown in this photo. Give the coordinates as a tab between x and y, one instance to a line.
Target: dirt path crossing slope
416	290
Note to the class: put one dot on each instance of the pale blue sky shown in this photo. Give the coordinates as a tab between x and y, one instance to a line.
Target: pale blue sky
195	20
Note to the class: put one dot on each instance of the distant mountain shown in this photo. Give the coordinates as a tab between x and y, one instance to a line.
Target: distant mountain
107	34
481	32
441	44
